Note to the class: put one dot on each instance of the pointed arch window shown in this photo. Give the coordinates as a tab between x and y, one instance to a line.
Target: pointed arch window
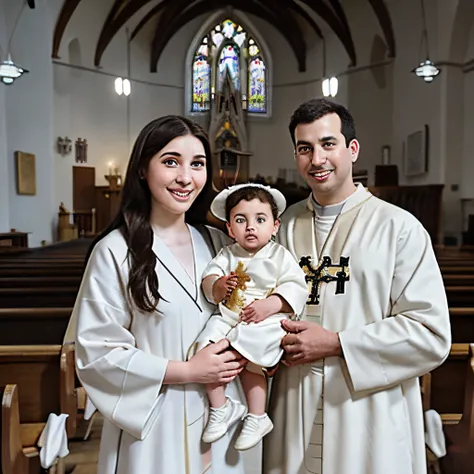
228	49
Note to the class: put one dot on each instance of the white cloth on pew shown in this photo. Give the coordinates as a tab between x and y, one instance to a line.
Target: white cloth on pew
53	440
434	435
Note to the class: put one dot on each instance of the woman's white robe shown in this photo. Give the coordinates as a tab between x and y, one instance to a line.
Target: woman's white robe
393	323
122	355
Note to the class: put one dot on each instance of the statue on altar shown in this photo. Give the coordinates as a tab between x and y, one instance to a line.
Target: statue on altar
228	136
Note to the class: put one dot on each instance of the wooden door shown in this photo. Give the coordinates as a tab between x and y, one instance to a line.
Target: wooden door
83	186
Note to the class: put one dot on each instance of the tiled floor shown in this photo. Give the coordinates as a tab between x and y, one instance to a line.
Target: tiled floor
83	454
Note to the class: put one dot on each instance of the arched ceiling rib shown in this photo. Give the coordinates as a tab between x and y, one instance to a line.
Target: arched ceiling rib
67	11
174	14
385	22
344	35
166	29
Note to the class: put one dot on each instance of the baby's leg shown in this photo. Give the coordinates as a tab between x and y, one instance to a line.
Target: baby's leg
255	389
223	413
257	423
216	395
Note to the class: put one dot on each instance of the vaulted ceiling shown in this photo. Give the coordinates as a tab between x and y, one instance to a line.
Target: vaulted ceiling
287	16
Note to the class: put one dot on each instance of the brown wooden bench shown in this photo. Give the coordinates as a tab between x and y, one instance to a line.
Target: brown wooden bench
37	297
462	324
457	270
448	382
460	296
18	455
456	279
46	272
30	326
42	382
460	433
41	281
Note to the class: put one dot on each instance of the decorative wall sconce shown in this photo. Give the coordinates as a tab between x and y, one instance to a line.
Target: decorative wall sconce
330	87
81	150
123	86
64	145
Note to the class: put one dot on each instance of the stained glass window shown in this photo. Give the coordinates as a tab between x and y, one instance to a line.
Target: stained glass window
229	61
229	49
201	79
257	91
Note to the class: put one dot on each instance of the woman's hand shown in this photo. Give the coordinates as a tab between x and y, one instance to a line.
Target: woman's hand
223	287
215	364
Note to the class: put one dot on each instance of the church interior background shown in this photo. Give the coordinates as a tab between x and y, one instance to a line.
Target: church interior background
79	79
99	71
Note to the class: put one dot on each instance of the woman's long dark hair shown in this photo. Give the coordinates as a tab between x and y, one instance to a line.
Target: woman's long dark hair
133	217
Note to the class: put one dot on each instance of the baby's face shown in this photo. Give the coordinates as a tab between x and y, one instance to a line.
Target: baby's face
252	225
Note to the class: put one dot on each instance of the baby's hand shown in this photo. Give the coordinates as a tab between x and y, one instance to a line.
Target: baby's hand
223	287
256	311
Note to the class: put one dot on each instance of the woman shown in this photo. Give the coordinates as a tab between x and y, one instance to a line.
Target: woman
140	308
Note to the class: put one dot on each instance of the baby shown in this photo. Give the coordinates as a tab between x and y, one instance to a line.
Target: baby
256	284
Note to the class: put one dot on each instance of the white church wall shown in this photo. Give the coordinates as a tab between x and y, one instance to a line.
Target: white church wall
87	106
4	192
29	120
415	103
370	84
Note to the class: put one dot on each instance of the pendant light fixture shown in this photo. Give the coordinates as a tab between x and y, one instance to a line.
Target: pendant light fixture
9	71
427	70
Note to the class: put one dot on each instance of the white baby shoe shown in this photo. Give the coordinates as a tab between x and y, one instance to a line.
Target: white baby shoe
253	430
221	419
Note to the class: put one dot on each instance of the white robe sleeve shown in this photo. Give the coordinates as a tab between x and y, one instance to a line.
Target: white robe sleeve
123	382
291	283
416	338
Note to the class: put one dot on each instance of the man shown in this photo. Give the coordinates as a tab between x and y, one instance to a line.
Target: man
376	319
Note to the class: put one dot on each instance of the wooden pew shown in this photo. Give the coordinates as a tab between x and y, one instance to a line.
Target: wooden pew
41	281
43	382
456	279
462	324
460	435
456	270
45	375
448	383
43	271
17	455
37	297
460	296
33	326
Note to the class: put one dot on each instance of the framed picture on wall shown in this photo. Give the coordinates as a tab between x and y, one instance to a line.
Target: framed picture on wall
416	153
25	173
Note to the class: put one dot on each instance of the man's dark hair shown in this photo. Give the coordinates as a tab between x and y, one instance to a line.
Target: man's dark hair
248	193
314	109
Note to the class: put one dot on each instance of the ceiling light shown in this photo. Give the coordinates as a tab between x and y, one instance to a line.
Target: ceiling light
426	70
9	71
